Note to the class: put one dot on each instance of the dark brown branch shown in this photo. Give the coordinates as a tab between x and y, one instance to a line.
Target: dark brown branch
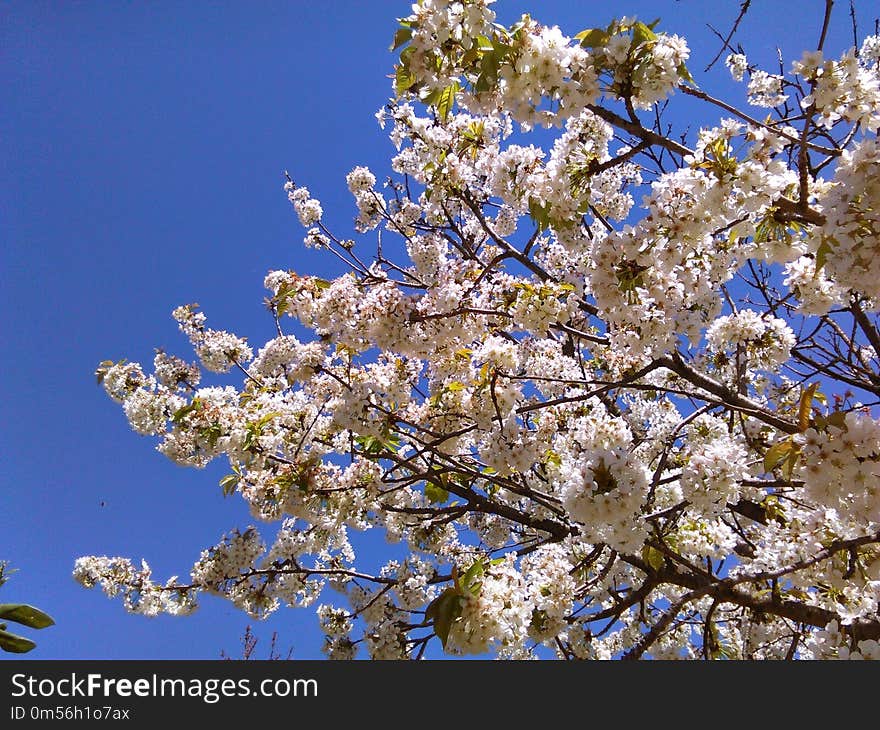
788	210
729	397
867	327
639	131
743	9
826	21
697	93
731	590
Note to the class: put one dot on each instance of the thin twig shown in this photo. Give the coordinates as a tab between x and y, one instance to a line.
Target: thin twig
743	9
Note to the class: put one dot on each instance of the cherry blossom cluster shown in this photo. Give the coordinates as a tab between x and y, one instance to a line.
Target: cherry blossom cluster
611	395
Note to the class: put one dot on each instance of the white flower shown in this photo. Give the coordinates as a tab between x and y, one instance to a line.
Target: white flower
738	64
360	179
766	90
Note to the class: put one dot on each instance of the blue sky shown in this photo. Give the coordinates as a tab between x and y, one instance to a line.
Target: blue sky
141	167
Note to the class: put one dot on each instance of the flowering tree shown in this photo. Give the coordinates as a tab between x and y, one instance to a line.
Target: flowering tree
595	429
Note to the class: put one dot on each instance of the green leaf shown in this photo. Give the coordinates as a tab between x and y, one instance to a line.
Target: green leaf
469	582
822	255
472	139
283	299
790	463
470	56
490	63
540	213
805	406
777	453
211	433
372	445
102	369
773	509
483	84
435	493
229	484
430	97
443	611
502	49
642	33
264	420
653	557
683	73
593	38
404	79
15	644
180	413
835	418
403	35
447	100
21	613
538	621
